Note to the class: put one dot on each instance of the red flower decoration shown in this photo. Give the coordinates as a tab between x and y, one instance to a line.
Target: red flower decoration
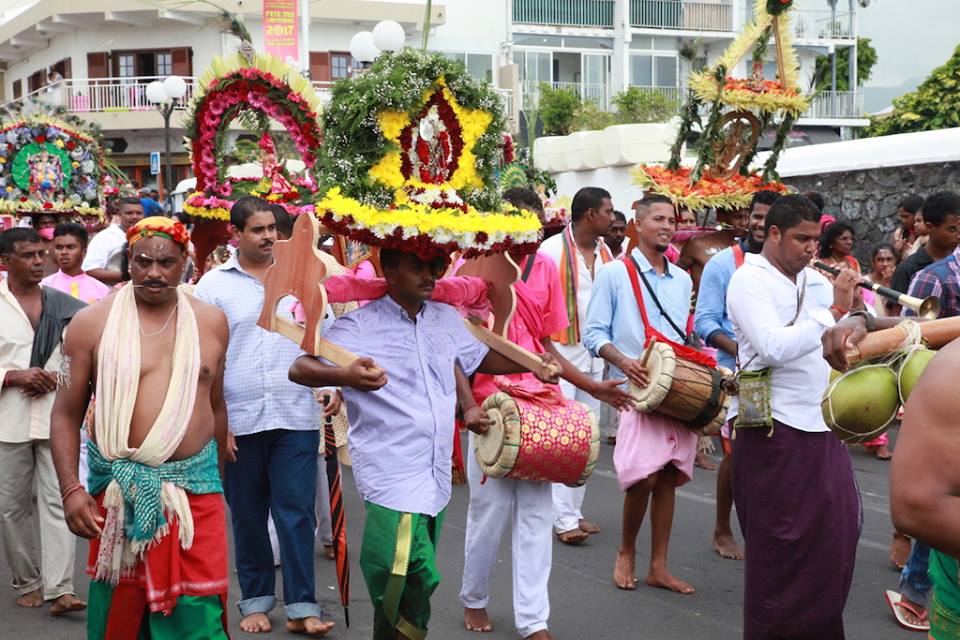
71	145
48	205
41	139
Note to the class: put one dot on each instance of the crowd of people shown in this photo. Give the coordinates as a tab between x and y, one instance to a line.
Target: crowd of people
147	403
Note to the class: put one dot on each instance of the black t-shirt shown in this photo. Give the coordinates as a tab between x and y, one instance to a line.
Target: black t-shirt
909	268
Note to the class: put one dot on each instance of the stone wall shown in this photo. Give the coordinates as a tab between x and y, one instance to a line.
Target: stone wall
868	199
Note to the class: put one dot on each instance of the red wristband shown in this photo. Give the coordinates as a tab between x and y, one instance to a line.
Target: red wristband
839	310
66	493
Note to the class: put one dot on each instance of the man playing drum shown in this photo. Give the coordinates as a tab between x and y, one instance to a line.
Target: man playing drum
793	481
653	454
401	435
540	313
714	326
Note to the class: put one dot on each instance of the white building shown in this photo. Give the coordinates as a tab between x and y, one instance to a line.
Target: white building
108	54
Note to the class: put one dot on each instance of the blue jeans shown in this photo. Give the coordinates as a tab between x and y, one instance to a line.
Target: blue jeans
915	584
271	476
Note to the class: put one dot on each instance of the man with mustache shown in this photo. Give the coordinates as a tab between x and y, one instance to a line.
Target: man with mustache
33	318
274	435
154	513
716	329
401	433
105	251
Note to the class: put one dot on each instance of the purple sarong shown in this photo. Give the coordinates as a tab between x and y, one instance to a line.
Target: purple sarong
800	513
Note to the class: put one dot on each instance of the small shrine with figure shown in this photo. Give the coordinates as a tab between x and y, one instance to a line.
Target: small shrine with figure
50	164
732	113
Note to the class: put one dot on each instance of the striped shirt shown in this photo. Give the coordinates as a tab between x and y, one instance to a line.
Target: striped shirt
258	393
401	436
940	279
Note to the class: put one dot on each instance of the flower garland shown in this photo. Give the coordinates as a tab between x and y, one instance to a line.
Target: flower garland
427	230
409	158
48	165
706	193
230	87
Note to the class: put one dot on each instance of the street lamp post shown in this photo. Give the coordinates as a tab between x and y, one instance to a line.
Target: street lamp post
165	94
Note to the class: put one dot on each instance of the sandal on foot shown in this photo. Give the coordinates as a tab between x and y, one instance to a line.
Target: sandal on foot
898	606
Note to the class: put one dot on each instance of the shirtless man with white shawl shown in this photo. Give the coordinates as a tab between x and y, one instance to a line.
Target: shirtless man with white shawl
153	356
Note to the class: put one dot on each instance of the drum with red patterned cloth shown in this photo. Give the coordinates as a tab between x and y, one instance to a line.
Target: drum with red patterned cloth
537	435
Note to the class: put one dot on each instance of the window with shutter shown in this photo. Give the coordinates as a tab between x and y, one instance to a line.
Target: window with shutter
320	66
182	61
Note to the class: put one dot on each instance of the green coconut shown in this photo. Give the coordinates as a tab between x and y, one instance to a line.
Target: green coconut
860	405
910	371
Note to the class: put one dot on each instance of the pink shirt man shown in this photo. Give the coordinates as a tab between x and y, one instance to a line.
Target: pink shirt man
544	296
82	287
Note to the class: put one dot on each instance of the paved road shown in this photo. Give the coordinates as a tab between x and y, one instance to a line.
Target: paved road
584	602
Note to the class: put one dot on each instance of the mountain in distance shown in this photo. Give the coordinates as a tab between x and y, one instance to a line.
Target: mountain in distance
879	98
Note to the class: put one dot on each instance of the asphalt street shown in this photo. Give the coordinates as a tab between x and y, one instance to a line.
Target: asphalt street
584	602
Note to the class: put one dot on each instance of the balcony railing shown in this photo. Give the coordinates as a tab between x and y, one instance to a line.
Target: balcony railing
572	13
100	95
836	105
681	14
599	94
821	25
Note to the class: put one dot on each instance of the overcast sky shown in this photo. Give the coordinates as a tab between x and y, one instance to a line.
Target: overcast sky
912	37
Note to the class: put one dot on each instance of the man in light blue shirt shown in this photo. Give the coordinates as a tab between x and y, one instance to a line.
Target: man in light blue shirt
402	428
653	454
275	426
714	326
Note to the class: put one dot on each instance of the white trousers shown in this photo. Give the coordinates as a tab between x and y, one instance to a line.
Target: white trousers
20	464
529	505
567	501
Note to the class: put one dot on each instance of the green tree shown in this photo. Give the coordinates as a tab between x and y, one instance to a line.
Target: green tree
640	105
935	104
558	109
866	59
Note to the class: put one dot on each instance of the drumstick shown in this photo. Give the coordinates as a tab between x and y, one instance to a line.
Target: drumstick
647	352
504	347
936	333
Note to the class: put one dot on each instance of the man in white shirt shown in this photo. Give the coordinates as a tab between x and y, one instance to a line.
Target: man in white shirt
106	248
794	488
33	320
579	251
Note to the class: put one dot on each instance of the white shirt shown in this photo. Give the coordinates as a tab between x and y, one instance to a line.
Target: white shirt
577	354
21	419
104	250
761	301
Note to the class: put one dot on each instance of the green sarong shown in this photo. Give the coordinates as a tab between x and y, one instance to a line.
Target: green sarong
194	618
945	609
398	561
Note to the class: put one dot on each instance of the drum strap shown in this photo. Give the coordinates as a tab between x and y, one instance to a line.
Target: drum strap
650	332
527	268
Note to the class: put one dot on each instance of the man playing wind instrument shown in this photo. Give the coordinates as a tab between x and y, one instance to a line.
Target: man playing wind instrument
153	355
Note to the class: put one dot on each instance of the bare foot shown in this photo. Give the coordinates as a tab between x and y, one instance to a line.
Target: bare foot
589	527
573	537
703	462
476	620
65	604
543	634
882	453
899	550
624	570
31	600
311	626
726	546
612	440
255	623
328	552
665	580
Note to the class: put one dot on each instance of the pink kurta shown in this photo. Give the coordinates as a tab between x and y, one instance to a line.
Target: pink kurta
82	287
543	287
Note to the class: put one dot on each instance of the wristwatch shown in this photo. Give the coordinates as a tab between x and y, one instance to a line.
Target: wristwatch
868	320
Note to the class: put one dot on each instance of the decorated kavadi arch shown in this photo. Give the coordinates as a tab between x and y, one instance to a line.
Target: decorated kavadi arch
50	164
409	159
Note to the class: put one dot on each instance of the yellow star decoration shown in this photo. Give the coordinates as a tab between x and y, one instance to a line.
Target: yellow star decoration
473	124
